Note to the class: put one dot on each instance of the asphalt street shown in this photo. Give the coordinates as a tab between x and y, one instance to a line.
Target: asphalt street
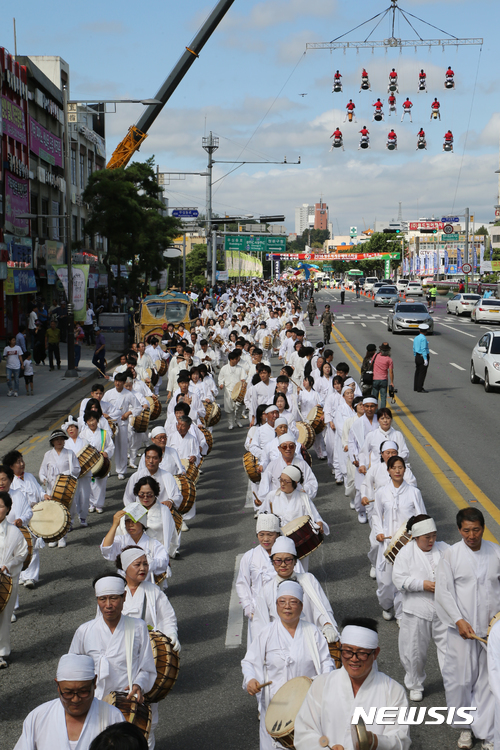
453	431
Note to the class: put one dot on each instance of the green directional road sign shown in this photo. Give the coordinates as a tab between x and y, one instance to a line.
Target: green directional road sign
255	243
449	238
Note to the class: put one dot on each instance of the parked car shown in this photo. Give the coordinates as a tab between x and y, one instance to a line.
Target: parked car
369	282
387	296
485	361
462	304
407	316
486	310
401	284
414	289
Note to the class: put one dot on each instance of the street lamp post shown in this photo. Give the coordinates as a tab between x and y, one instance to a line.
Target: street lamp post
210	144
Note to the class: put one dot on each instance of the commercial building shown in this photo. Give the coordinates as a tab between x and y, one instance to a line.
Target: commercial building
304	218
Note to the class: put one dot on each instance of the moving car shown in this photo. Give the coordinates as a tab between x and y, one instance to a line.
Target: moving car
377	286
386	295
369	282
462	304
485	361
414	289
407	316
486	310
401	284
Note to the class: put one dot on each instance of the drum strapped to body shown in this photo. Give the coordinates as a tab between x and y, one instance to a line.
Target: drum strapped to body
113	427
335	652
251	464
133	711
215	414
161	366
177	518
188	492
209	438
192	471
283	709
29	541
51	520
5	590
396	544
316	419
140	423
154	407
160	577
307	436
88	457
303	533
64	489
167	666
267	342
101	469
239	391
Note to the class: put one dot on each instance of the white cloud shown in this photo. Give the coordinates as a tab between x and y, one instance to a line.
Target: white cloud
104	27
277	13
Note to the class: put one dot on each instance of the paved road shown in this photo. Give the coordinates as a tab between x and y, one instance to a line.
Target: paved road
207	707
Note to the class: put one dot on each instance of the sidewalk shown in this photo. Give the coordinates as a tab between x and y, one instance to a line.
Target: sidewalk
49	387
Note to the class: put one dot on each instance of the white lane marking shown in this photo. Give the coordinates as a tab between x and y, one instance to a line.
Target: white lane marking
432	351
457	366
458	330
364	325
234	630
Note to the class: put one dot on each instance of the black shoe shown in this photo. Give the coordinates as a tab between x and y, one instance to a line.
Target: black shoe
422	390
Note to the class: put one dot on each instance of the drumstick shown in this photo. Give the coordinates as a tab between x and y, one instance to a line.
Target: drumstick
477	638
265	684
102	373
257	501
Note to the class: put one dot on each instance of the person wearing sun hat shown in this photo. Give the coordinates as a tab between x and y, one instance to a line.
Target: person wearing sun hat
51	724
422	358
118	644
58	460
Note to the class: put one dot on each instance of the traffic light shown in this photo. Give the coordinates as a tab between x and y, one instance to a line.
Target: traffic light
428	231
392	231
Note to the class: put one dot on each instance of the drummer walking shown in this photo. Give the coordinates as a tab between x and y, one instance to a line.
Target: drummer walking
58	460
229	376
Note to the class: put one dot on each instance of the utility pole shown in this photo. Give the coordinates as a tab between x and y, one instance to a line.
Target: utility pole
210	144
71	372
466	253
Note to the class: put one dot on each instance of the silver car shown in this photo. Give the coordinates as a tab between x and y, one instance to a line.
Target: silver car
386	295
485	361
407	316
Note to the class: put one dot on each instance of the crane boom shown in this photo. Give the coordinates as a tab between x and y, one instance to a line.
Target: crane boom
138	133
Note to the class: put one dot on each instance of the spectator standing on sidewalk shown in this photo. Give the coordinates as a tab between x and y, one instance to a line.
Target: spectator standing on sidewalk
52	339
79	336
366	366
14	356
383	372
43	315
98	360
33	317
21	339
39	350
28	372
88	325
327	320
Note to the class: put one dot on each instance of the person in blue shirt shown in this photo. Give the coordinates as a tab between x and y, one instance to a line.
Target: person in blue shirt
421	354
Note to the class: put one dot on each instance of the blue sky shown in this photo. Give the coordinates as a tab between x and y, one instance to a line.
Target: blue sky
246	88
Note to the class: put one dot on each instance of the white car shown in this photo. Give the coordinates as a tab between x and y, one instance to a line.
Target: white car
486	310
414	289
462	304
485	361
369	282
401	284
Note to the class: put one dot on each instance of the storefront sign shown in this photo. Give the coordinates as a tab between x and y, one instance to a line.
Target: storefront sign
16	202
45	145
14	121
20	251
20	281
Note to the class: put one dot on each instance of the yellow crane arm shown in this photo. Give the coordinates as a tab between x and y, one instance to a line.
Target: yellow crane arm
126	149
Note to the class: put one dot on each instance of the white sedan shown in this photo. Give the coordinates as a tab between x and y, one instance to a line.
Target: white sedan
462	304
485	361
486	310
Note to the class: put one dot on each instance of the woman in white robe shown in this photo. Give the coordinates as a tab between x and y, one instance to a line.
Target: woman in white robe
59	460
385	431
323	384
133	533
285	412
252	487
308	399
394	505
290	503
101	440
330	405
287	648
349	482
344	412
13	552
414	575
76	443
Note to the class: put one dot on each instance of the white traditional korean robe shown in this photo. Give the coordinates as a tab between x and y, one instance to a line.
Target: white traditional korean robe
33	493
468	588
44	728
150	604
13	551
270	479
55	463
81	500
277	657
102	441
95	639
122	402
370	451
156	553
330	704
419	622
228	377
331	403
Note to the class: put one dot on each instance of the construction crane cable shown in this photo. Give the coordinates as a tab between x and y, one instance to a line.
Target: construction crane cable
428	24
359	25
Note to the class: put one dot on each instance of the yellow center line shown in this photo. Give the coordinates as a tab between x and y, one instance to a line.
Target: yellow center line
455	496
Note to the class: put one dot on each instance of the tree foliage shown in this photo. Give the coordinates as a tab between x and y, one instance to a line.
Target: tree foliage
124	207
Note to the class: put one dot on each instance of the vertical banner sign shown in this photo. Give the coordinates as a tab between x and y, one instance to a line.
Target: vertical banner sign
387	271
277	268
80	280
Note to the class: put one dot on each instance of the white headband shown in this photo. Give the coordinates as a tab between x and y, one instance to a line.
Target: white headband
75	668
353	635
428	526
109	586
129	556
70	422
346	388
293	472
270	409
157	431
284	544
287	437
290	588
268	522
370	400
389	445
280	422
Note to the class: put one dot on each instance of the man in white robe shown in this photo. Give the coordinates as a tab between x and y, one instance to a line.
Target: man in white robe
13	552
467	597
119	645
124	405
271	476
264	433
357	436
334	698
66	723
170	461
229	376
